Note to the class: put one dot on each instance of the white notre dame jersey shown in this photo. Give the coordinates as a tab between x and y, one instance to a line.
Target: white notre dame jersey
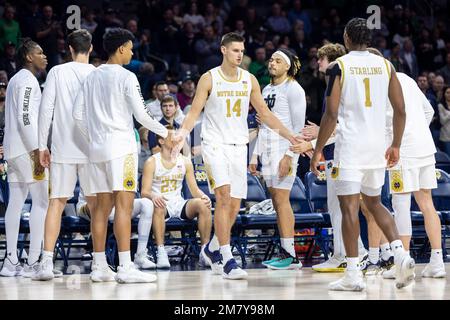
168	182
226	110
23	97
360	136
417	141
288	102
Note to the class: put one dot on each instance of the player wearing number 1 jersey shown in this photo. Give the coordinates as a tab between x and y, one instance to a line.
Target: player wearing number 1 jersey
226	92
358	99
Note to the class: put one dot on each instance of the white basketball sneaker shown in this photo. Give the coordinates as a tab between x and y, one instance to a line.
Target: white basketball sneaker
232	271
101	274
434	270
29	271
203	259
130	274
162	260
334	264
390	273
10	269
142	260
351	281
45	272
405	272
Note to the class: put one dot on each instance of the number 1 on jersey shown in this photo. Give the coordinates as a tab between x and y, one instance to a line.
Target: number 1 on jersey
367	90
236	108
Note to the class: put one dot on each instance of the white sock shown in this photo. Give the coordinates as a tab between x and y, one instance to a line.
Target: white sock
124	258
288	245
18	193
100	259
144	207
161	248
398	250
374	255
386	251
47	255
39	196
436	256
214	244
352	264
225	251
203	247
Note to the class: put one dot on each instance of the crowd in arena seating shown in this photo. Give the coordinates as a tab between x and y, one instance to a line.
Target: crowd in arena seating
176	41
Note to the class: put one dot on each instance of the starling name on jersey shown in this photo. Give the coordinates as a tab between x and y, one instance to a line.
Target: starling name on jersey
232	93
26	105
372	71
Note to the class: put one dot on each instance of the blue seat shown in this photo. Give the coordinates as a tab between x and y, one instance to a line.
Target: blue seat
255	190
202	182
316	191
297	197
442	161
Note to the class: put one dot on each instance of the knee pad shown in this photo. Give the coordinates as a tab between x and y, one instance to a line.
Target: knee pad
401	203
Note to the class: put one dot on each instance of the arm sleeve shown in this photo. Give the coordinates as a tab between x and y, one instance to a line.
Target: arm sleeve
140	111
427	109
79	114
27	125
46	110
297	109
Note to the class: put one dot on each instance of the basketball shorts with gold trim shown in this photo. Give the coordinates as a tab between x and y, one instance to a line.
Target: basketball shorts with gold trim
119	174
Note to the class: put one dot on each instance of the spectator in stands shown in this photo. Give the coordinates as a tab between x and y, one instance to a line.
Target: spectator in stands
169	108
297	13
187	49
258	67
48	32
88	22
187	92
8	61
425	51
213	18
207	50
259	40
438	88
252	21
300	44
409	58
9	28
444	115
238	12
162	181
396	59
381	45
278	22
132	26
169	38
161	90
63	57
107	21
240	29
197	20
3	76
445	70
29	17
177	15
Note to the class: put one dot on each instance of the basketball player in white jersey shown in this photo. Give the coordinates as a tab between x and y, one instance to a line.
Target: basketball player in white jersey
25	173
286	99
415	173
326	55
226	92
162	181
360	85
69	160
104	111
142	208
